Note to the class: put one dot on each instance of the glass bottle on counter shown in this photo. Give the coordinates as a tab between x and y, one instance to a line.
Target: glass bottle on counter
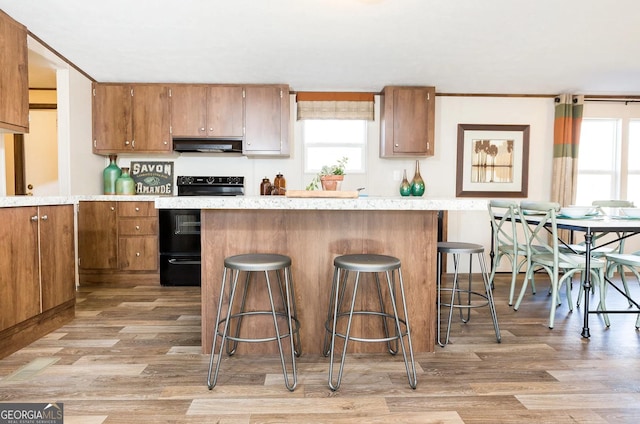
110	175
265	187
279	185
124	183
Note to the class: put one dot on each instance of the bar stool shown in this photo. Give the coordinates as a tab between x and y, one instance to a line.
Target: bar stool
457	249
372	264
250	264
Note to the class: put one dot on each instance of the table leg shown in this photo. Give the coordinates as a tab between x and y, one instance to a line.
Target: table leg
587	283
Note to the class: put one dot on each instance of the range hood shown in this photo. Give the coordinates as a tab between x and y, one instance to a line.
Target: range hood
207	145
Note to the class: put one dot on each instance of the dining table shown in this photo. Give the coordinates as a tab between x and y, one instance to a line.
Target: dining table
593	226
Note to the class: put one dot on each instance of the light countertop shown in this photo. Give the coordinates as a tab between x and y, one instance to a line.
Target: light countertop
283	202
260	202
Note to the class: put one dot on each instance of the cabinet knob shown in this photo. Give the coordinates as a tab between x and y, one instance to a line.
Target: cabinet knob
44	217
137	253
113	208
133	144
165	143
211	129
126	142
202	129
137	209
34	218
137	228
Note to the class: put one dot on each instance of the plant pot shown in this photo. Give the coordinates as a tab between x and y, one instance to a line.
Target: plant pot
331	182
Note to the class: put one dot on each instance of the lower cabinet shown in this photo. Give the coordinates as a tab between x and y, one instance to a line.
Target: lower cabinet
118	241
37	284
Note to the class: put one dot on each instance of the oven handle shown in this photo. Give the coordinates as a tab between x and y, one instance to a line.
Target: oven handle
184	262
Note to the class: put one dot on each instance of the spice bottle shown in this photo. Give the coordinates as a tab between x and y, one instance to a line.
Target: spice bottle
279	185
265	187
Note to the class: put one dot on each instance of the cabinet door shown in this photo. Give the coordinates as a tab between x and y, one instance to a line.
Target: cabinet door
224	111
151	118
112	125
138	253
266	120
57	255
97	235
19	279
188	110
408	121
14	85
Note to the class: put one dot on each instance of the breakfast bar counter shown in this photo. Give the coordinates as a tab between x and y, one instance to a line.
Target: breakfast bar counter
313	232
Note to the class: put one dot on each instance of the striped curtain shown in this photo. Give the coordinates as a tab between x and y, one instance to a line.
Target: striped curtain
566	138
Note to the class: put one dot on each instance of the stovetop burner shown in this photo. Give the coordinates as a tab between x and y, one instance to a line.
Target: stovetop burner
210	186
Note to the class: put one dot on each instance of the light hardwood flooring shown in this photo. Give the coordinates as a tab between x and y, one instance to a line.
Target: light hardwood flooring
132	355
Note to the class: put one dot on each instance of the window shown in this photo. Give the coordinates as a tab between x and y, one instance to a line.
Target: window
327	140
609	142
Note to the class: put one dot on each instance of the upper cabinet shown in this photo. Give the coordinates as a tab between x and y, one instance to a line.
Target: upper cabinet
14	80
131	118
407	121
266	117
201	111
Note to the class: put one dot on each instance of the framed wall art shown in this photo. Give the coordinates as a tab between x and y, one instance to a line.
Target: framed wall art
493	160
153	177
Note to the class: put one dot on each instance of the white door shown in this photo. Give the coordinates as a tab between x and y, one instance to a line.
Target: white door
41	153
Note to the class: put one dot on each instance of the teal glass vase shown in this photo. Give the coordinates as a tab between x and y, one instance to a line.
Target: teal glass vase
124	183
110	175
417	184
405	186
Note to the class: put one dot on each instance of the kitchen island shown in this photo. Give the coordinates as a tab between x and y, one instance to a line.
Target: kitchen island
313	232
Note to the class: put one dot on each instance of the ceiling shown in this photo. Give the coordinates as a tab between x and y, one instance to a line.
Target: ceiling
461	46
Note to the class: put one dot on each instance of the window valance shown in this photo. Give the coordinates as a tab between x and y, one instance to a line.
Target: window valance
335	105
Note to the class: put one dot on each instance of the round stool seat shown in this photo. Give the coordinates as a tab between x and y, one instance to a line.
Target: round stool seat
367	262
459	247
257	262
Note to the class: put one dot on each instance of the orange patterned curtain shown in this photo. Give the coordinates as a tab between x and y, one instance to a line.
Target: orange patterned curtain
566	138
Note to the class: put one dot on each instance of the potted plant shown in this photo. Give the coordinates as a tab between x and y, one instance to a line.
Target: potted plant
330	176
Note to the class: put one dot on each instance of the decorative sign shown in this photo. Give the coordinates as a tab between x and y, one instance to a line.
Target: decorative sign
153	177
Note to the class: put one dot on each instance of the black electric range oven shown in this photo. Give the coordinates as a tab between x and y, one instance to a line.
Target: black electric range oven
180	263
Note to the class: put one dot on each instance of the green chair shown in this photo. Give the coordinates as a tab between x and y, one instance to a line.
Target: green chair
504	216
617	262
560	266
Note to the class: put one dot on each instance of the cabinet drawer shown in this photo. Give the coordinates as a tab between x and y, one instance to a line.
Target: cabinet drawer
138	227
138	253
137	209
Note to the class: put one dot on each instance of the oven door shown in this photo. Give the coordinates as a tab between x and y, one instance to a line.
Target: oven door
180	247
179	231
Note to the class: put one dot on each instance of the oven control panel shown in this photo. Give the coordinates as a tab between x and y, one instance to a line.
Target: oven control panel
224	181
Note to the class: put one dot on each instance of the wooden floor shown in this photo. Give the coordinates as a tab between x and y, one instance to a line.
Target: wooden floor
132	355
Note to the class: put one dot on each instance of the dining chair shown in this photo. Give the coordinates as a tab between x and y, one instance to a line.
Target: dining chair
504	216
600	244
560	266
617	262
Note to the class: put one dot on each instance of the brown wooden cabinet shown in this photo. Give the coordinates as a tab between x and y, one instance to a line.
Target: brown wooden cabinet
37	282
19	280
200	111
266	117
407	121
57	255
131	118
117	238
14	82
137	236
97	235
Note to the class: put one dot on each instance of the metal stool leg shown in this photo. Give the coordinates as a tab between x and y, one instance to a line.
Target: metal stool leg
335	385
290	384
409	364
234	277
489	292
232	345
